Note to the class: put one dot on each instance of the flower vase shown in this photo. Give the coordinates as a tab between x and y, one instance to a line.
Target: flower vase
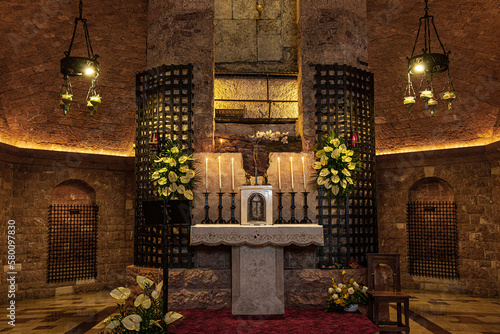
352	308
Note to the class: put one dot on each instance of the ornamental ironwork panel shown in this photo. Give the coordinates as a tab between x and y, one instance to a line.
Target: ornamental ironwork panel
163	112
344	104
72	252
432	239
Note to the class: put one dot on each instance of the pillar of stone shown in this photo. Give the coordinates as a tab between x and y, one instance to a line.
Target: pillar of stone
330	31
182	32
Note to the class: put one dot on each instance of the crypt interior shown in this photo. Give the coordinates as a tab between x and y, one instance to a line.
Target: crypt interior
429	188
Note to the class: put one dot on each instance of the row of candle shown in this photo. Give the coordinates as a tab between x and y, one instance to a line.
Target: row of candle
232	174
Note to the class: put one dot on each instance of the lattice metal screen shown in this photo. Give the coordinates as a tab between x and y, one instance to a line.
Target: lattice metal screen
433	239
72	242
345	104
164	112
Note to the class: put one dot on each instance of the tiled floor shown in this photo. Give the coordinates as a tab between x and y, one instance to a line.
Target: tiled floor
431	312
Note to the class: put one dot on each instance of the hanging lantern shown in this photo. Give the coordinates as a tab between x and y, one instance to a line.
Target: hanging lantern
79	67
409	99
428	64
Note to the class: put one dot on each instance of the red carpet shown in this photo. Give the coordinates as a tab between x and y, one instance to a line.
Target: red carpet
294	321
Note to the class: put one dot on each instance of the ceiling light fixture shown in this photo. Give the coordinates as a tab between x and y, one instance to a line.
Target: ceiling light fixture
78	67
427	64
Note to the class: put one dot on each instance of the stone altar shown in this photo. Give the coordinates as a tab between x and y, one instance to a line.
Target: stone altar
257	260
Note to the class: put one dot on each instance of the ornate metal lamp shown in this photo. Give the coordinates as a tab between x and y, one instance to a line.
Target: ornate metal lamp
427	64
78	67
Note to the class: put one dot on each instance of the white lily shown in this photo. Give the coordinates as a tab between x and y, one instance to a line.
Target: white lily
132	322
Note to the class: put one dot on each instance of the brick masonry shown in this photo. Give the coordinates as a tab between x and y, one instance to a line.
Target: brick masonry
28	182
182	32
329	32
34	36
466	29
472	174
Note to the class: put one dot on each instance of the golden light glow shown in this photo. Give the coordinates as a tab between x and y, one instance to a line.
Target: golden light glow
447	146
59	148
419	68
89	71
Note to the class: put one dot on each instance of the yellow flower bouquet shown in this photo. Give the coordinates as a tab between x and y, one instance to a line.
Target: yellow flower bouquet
144	315
174	173
336	166
342	295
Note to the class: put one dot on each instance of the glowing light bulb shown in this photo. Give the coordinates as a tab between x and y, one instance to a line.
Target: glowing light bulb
419	68
89	71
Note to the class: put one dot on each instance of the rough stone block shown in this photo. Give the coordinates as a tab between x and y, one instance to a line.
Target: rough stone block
269	48
235	41
223	9
284	110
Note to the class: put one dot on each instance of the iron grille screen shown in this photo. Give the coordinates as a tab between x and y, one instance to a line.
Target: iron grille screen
344	103
433	239
163	112
72	242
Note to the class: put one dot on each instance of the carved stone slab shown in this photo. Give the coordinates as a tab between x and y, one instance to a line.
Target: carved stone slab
257	280
252	235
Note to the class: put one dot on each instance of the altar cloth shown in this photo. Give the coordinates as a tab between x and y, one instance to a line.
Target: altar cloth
257	235
296	321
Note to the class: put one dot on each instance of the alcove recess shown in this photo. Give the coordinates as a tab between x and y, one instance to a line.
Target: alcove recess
249	102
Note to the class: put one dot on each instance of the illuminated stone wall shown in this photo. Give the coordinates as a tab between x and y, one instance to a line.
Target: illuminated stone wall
473	175
34	35
467	29
26	185
246	43
329	32
182	32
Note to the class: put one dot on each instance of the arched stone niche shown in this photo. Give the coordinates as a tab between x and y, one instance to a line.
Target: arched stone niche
431	189
74	192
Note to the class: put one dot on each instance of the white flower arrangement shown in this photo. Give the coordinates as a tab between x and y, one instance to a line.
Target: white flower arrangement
144	315
336	166
272	136
174	173
345	294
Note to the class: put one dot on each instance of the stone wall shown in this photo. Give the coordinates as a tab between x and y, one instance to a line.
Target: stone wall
329	32
473	120
245	42
29	179
182	32
211	288
34	36
472	173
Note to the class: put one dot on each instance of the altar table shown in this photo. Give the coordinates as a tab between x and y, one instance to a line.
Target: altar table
257	260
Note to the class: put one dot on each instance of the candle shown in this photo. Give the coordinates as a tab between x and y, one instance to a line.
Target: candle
220	179
232	173
291	170
304	173
279	174
206	175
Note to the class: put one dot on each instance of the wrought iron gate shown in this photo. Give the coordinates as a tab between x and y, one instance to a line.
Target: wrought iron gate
164	112
345	104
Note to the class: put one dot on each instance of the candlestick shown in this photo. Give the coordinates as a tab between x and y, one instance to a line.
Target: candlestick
232	174
206	175
304	173
220	179
279	174
291	170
